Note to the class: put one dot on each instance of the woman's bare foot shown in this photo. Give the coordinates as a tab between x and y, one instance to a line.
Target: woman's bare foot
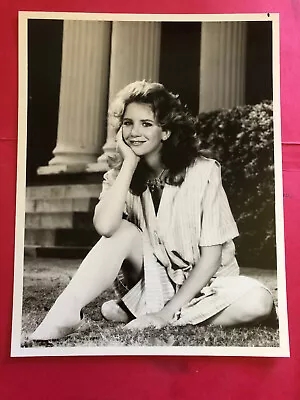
112	311
60	321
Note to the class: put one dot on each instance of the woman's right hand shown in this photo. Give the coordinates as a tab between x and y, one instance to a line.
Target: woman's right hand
126	152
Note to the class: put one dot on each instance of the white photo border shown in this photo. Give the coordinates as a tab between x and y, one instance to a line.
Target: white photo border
16	349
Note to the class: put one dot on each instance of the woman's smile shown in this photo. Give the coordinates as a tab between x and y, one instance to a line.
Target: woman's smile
134	142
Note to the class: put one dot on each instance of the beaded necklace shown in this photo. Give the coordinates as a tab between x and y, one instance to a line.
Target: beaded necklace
156	186
157	182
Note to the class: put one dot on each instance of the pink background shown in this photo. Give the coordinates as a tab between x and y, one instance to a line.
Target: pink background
91	378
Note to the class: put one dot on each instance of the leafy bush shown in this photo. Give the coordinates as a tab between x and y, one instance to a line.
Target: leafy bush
242	140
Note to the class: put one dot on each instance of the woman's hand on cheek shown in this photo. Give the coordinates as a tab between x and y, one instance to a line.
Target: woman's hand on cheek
126	152
150	320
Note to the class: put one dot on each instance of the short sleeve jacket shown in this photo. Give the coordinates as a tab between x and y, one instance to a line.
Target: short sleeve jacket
192	215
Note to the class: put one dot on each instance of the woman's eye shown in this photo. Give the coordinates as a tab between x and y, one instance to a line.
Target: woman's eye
146	124
126	123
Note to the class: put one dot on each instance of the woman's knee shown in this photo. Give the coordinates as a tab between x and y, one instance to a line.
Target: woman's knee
128	240
261	302
253	307
127	231
121	244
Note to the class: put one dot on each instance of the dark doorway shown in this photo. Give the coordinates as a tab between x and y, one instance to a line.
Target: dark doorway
259	62
180	61
44	67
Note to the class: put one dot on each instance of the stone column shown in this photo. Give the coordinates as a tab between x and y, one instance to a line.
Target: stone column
83	96
135	54
222	65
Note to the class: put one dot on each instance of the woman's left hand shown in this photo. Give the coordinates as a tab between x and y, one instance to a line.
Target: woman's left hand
155	320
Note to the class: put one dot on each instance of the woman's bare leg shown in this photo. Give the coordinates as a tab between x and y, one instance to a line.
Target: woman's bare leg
255	306
95	274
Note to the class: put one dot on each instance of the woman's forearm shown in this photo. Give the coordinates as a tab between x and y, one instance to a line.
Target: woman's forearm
207	266
109	211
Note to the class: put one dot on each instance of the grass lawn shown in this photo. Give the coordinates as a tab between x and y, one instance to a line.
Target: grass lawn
44	279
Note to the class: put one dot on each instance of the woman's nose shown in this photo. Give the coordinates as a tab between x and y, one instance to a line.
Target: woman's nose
134	131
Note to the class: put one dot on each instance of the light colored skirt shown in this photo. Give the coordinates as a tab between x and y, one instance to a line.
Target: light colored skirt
213	298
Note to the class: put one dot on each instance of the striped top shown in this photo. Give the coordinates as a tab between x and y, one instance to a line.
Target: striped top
192	215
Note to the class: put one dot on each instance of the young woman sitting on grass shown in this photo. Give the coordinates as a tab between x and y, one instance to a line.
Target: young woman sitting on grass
166	229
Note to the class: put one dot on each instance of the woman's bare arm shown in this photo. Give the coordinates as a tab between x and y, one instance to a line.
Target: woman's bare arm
109	211
203	271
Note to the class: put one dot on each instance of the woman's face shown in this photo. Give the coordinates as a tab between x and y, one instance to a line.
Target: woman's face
141	131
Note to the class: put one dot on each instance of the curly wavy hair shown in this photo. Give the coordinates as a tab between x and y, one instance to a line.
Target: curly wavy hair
179	150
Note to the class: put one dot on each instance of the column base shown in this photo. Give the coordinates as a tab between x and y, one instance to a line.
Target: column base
61	169
102	162
100	166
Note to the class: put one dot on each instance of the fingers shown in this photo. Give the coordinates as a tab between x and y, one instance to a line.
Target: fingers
144	322
137	324
120	139
120	142
118	136
124	149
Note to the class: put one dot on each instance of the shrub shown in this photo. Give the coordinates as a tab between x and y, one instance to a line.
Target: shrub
242	140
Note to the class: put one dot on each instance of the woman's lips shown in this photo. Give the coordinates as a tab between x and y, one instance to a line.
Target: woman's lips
136	142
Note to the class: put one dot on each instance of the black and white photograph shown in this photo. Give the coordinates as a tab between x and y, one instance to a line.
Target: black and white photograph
149	187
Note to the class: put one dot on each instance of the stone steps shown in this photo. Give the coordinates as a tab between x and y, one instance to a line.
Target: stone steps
56	252
63	191
62	220
60	237
60	205
59	218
